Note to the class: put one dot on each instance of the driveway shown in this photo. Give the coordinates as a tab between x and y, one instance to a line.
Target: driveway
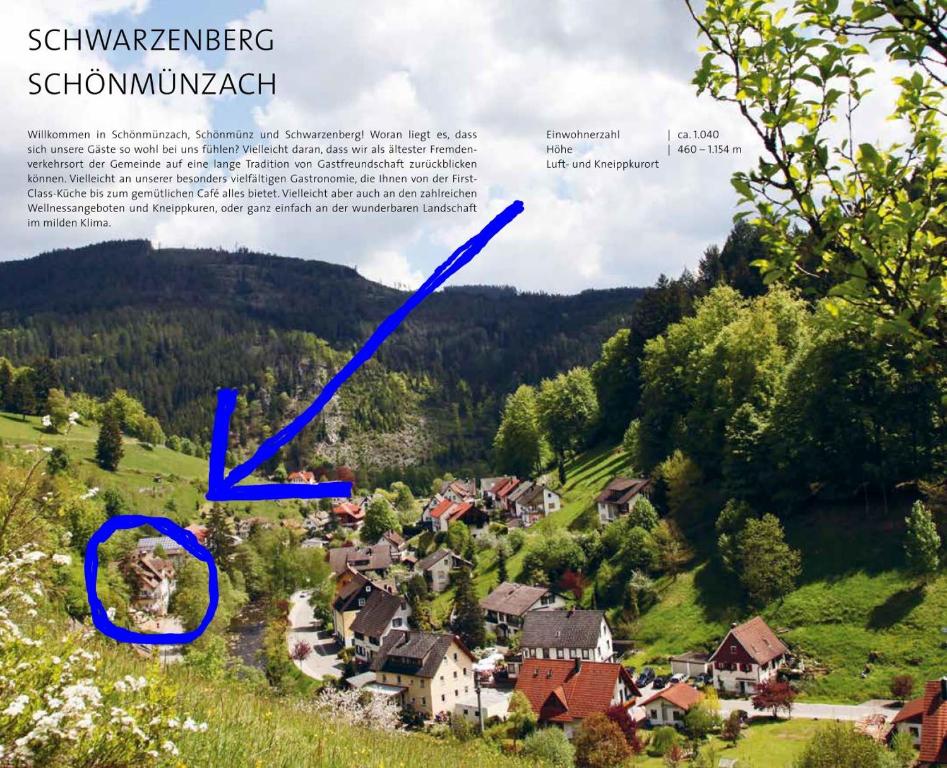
303	625
808	711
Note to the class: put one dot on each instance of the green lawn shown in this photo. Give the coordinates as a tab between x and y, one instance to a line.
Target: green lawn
764	745
151	478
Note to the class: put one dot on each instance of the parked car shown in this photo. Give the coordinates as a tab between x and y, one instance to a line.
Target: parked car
659	683
678	678
646	676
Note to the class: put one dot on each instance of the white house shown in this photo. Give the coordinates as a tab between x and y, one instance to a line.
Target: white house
494	703
536	503
749	654
154	578
566	634
505	607
669	705
437	568
620	496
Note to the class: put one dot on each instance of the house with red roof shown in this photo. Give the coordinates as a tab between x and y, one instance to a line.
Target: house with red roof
302	477
925	719
564	692
749	655
669	705
349	514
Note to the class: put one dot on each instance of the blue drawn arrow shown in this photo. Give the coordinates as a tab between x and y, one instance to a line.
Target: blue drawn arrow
221	487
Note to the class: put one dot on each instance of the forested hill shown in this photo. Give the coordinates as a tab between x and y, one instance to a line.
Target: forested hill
173	325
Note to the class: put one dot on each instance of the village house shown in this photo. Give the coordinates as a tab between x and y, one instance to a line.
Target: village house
153	578
199	531
749	655
438	566
925	719
165	546
505	606
536	503
566	634
445	512
669	705
620	496
373	561
563	693
349	514
382	612
514	496
301	478
396	541
489	487
501	494
351	596
247	525
458	490
434	671
494	703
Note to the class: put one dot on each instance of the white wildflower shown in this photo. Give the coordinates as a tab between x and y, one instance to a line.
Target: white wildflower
171	747
17	706
47	421
73	418
59	559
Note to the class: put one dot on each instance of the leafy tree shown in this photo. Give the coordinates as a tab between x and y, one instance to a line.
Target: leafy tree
108	447
551	746
921	542
467	620
902	686
902	747
732	730
774	695
600	743
553	555
115	503
460	540
380	517
6	384
866	221
839	745
568	409
189	599
671	550
503	550
641	593
58	461
409	511
700	722
643	514
518	444
769	566
57	408
300	651
520	718
730	522
619	715
614	377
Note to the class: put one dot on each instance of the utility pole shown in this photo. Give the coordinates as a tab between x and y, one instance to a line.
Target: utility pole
479	706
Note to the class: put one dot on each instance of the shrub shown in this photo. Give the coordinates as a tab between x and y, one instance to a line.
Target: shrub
662	739
600	743
551	746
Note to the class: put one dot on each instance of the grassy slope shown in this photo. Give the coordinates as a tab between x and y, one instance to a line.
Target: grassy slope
853	599
148	477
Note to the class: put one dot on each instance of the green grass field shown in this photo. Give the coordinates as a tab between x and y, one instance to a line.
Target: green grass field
152	478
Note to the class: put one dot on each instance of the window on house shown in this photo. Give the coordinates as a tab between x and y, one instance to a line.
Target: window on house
654	714
455	674
423	701
443	697
396	623
559	653
455	657
361	601
585	653
456	693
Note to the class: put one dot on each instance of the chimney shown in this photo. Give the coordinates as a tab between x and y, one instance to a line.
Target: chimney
578	665
943	688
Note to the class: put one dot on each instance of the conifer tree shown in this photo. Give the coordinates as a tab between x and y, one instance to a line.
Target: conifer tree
468	615
108	448
922	542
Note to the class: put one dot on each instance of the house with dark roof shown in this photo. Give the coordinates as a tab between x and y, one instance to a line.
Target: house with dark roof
668	706
434	671
925	719
749	655
505	607
165	546
350	599
563	693
382	612
566	634
620	496
536	503
154	582
438	566
374	561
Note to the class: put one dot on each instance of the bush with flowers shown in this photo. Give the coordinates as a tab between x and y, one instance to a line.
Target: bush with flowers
60	705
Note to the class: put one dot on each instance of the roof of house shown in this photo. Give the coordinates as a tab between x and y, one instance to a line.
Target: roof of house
520	491
757	639
681	695
169	545
301	477
561	628
414	653
462	488
692	656
348	592
200	531
436	556
150	570
911	711
512	598
392	537
560	690
379	609
934	725
377	557
622	489
534	495
502	491
349	509
442	507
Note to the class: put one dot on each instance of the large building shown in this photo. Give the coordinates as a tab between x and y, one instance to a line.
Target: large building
749	655
563	693
382	612
566	634
434	671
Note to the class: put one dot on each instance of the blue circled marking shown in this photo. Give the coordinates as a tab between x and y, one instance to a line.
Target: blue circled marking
173	531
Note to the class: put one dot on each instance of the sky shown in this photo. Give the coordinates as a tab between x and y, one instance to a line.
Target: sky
510	71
